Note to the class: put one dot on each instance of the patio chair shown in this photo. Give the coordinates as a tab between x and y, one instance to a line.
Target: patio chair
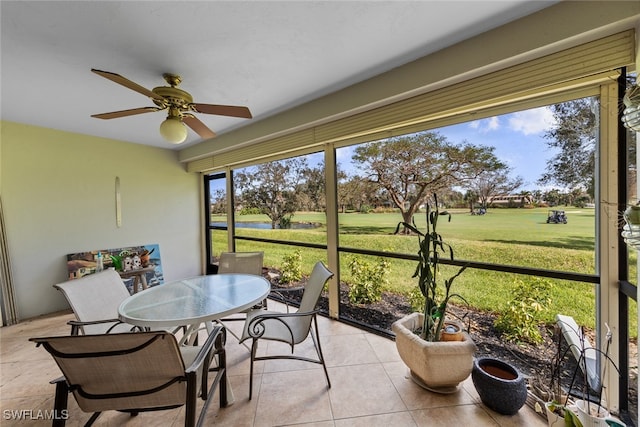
242	263
135	372
291	328
95	299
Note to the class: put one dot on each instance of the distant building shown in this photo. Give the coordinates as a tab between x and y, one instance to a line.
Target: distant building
510	200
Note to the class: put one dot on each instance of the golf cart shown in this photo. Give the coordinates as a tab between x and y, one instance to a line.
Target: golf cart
556	217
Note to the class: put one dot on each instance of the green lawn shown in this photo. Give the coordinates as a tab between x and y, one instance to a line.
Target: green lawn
502	236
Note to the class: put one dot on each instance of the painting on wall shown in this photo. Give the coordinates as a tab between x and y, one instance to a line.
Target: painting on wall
122	259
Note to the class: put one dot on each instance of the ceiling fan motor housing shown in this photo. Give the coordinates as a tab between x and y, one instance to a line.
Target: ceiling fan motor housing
173	97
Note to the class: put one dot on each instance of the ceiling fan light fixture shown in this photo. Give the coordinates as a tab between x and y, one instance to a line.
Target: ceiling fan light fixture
173	130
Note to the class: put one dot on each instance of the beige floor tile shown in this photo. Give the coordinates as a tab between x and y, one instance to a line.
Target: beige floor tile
384	348
239	359
396	419
369	386
463	415
240	384
293	397
20	349
524	417
21	411
241	412
362	390
304	349
416	397
327	326
49	325
346	350
318	424
33	379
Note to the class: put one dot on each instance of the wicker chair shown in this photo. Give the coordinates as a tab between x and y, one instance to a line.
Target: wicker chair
135	372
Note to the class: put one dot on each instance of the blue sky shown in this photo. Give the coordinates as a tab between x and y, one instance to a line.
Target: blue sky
517	138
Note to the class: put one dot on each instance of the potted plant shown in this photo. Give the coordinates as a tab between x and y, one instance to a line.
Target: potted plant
560	409
551	400
590	411
435	364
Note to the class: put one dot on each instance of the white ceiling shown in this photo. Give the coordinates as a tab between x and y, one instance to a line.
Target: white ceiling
266	55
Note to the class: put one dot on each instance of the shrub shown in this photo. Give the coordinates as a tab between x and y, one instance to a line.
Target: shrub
249	211
285	222
519	322
368	280
292	267
581	201
416	300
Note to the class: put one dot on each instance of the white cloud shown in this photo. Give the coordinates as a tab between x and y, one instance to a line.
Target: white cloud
492	123
485	125
531	122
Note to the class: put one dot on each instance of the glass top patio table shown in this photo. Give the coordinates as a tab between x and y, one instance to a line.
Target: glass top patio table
200	299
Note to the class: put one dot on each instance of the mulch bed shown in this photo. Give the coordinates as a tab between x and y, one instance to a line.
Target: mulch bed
531	360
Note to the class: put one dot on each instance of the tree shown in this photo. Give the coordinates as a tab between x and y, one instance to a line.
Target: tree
493	183
410	168
356	193
575	135
311	190
470	198
271	187
553	197
218	202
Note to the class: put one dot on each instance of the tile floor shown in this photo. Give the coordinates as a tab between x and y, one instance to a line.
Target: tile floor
369	387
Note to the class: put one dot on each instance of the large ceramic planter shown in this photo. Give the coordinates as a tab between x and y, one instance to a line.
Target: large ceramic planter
500	386
437	366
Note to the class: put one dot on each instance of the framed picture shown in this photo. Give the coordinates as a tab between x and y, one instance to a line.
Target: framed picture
84	263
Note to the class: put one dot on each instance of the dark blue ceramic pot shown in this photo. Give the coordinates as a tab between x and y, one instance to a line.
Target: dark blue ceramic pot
500	386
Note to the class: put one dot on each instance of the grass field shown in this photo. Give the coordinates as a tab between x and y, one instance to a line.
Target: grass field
503	236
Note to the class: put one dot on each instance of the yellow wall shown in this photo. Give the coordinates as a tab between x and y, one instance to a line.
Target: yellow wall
58	195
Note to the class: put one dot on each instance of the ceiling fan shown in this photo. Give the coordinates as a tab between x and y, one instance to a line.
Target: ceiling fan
179	104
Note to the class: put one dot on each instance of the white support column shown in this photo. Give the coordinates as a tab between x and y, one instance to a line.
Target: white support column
231	227
203	225
637	53
331	196
638	265
607	303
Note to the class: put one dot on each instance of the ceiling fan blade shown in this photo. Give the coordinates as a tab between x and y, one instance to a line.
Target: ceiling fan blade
222	110
125	113
199	127
127	83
